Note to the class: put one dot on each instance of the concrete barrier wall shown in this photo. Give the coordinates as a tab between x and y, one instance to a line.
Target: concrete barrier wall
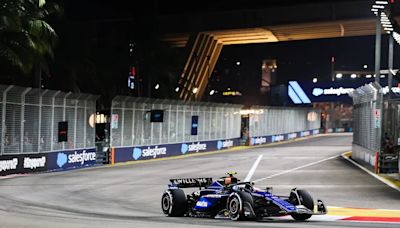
363	155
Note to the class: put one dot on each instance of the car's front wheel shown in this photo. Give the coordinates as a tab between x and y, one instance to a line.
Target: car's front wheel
305	200
237	203
235	207
173	202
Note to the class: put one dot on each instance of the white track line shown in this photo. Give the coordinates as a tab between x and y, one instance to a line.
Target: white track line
390	184
253	169
294	169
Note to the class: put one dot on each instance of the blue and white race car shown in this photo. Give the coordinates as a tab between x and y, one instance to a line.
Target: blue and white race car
227	197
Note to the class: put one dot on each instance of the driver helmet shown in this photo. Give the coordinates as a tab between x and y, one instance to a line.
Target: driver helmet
229	179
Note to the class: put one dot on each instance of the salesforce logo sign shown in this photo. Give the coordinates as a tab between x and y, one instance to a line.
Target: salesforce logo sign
137	153
332	91
76	158
224	144
317	92
62	159
184	148
194	147
149	152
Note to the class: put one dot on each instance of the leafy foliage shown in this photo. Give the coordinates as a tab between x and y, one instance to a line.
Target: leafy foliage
26	39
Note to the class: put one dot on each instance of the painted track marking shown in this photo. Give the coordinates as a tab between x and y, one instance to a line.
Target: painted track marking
294	169
253	169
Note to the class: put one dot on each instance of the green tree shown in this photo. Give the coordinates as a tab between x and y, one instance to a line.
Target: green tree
26	39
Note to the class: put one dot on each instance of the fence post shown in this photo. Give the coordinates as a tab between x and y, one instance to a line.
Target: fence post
22	125
76	118
85	121
169	122
111	127
123	121
210	121
142	135
64	110
151	126
40	119
183	125
3	118
176	122
133	122
161	128
52	120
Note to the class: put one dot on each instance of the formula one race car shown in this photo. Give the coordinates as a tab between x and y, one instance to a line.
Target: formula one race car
227	197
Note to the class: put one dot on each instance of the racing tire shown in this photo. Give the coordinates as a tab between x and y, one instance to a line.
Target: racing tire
236	203
305	200
173	203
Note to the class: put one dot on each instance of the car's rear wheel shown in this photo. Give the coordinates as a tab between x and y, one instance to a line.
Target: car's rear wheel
305	200
173	202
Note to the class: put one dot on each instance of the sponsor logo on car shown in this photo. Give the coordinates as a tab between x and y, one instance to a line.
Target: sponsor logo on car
201	180
202	203
216	196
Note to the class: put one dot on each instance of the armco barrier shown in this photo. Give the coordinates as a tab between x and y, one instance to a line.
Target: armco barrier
42	162
282	137
124	154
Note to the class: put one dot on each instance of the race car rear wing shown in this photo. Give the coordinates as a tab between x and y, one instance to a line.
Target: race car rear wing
191	182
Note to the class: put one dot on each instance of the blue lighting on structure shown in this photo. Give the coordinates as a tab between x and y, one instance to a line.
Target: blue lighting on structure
296	93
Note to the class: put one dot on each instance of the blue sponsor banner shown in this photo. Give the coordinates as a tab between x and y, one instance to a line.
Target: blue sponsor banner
69	159
125	154
315	132
281	137
305	133
339	130
260	140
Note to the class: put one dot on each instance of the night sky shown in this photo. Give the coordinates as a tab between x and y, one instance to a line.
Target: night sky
94	37
304	60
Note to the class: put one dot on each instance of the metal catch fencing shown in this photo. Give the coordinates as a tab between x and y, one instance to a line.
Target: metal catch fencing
266	121
391	120
367	115
131	126
30	117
